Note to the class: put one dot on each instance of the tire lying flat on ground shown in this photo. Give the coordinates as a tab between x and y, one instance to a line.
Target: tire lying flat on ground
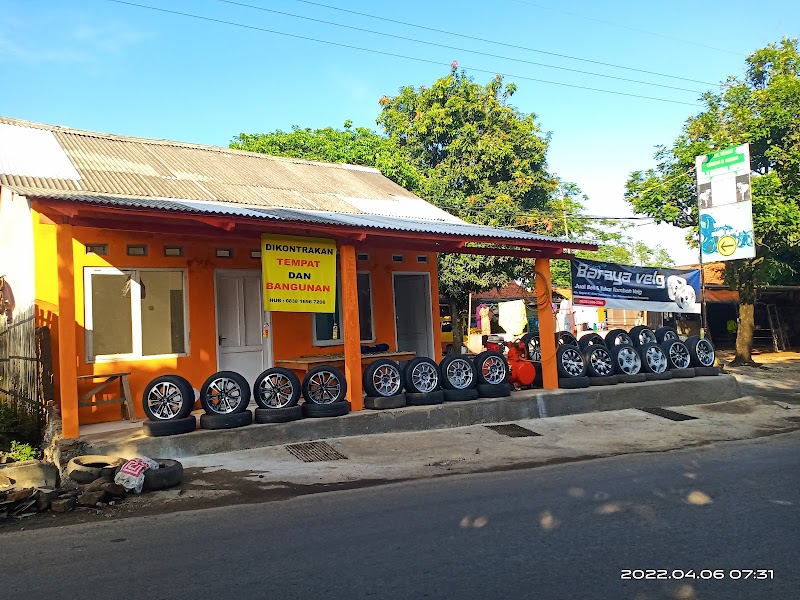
230	421
87	468
607	380
278	415
168	474
683	373
574	383
384	402
417	399
487	390
460	395
666	375
635	378
706	371
173	427
315	411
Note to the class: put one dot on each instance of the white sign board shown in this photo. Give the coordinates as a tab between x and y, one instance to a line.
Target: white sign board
725	204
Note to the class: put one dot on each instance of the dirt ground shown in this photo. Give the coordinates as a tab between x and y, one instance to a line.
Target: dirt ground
777	375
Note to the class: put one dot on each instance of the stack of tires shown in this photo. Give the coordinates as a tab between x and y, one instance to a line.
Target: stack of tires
417	382
492	375
277	393
168	401
225	396
571	361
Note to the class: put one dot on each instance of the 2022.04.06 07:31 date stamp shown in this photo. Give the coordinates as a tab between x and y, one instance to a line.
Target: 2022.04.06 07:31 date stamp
706	574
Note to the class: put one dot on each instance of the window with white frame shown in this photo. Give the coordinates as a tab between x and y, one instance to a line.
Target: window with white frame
323	323
135	313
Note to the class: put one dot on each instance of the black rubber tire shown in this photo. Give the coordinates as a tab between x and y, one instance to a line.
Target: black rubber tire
460	395
87	468
683	373
168	474
607	380
574	383
415	399
643	352
500	377
592	339
462	362
335	377
665	376
637	378
244	392
427	364
532	346
666	346
487	390
384	402
706	371
692	343
565	338
316	411
603	352
537	379
230	421
174	427
384	364
612	338
290	385
662	332
186	397
567	353
278	415
637	332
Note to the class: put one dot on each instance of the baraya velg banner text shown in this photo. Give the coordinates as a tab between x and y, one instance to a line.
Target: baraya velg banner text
608	285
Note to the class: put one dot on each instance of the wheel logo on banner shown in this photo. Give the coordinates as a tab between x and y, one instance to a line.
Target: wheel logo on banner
726	245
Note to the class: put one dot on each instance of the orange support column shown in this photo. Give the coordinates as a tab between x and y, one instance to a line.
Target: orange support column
351	327
547	330
67	348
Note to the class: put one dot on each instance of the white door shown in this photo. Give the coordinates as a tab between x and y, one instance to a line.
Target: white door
412	311
241	345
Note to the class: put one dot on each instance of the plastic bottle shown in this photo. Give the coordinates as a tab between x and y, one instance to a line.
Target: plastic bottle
335	331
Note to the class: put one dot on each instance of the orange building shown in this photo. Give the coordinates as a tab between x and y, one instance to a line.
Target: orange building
144	256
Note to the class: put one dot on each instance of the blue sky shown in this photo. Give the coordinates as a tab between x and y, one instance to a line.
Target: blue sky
116	68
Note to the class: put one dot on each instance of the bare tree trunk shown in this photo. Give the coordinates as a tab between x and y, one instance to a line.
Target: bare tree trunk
744	335
742	276
455	321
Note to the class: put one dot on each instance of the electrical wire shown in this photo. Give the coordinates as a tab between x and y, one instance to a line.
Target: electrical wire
445	46
393	55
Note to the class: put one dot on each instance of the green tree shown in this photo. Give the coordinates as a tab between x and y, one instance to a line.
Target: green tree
762	109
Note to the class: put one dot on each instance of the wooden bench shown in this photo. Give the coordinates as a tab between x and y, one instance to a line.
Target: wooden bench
124	400
306	363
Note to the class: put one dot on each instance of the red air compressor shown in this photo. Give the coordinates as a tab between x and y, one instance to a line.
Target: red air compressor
523	371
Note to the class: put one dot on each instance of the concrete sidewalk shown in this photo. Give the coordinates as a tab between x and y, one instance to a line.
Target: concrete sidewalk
521	405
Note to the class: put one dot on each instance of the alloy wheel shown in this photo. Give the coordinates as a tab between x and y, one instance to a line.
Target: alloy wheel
705	353
276	390
460	374
494	370
223	395
386	380
165	400
601	362
629	361
679	355
656	359
572	361
324	387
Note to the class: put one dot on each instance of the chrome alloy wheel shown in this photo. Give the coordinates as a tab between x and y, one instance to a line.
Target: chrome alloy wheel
656	359
535	350
629	361
324	387
223	395
601	362
572	361
494	370
623	339
425	377
386	380
670	335
276	390
679	355
705	353
165	400
460	374
646	336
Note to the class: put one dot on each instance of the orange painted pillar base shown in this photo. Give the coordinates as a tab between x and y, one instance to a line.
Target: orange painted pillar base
67	347
351	328
547	329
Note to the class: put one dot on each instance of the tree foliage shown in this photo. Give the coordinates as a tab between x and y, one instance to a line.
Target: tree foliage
762	109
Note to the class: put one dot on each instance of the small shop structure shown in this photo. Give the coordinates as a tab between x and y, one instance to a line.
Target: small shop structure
144	257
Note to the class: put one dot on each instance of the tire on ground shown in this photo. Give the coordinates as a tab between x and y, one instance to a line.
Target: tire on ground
666	375
277	388
569	362
458	372
460	395
634	378
676	350
168	474
574	383
324	385
173	427
230	421
701	351
315	411
683	373
492	368
488	390
384	402
87	468
278	415
236	387
607	380
175	386
417	399
706	371
422	375
382	377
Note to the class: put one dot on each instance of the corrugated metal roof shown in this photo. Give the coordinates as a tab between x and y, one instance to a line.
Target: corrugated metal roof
33	152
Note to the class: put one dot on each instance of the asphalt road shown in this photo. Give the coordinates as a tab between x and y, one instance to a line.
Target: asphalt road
566	531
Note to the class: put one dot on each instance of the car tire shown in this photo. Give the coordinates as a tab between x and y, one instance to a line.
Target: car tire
316	411
598	361
706	371
537	379
276	388
683	373
488	390
87	468
324	385
460	395
278	415
607	380
570	362
383	378
168	474
617	337
641	335
574	383
421	375
422	399
532	346
592	339
174	427
227	387
665	333
492	368
458	372
654	360
173	387
701	350
634	378
626	360
665	376
384	402
229	421
677	353
565	338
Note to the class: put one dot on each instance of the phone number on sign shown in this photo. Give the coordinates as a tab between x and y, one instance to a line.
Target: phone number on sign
702	574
